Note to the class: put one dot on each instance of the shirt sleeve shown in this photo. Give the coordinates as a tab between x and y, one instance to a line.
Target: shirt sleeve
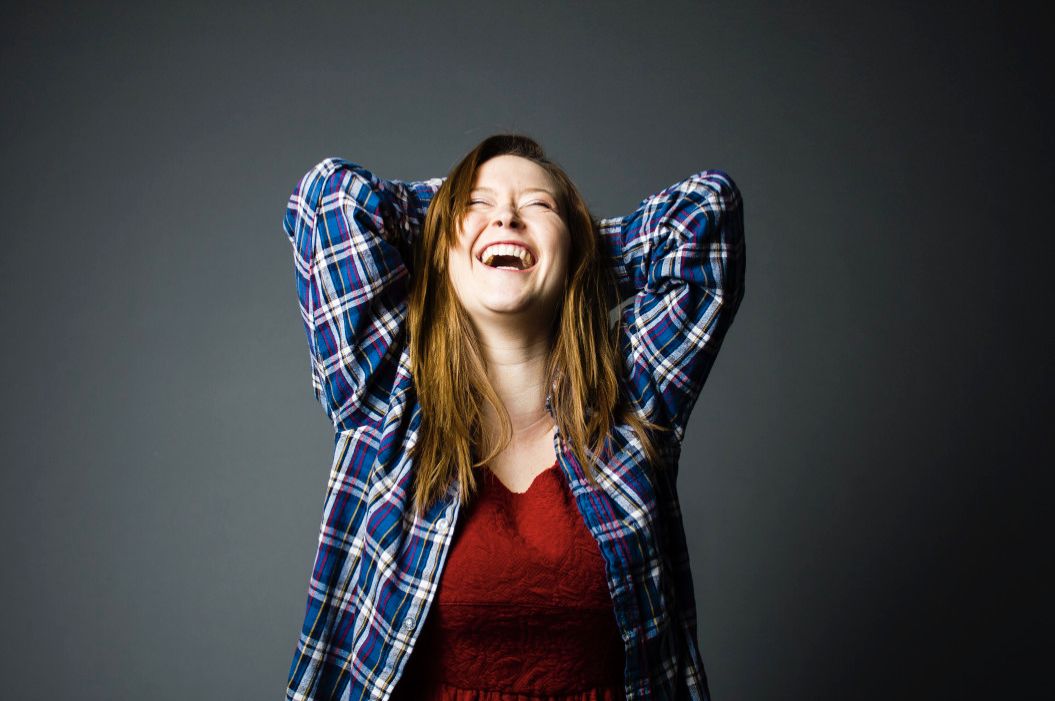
351	233
679	262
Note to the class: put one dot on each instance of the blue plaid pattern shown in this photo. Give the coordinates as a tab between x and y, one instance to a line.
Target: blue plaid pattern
679	259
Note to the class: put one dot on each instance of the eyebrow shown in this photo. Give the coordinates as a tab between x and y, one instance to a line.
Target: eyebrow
530	189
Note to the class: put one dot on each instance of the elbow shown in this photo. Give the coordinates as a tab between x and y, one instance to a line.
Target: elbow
724	196
719	187
329	176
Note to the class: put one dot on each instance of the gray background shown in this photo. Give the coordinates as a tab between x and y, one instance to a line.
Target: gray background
861	477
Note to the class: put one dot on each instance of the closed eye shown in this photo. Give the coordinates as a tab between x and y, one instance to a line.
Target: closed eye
544	204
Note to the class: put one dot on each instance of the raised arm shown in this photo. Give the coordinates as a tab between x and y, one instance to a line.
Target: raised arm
680	258
350	231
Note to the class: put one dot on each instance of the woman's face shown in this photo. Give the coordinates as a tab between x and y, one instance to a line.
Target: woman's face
510	260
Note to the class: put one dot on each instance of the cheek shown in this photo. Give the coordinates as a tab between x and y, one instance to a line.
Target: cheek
462	242
457	249
470	223
564	248
459	270
458	254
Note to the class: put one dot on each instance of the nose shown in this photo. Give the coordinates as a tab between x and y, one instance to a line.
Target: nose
507	217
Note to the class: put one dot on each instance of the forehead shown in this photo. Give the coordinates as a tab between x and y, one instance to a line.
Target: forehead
513	172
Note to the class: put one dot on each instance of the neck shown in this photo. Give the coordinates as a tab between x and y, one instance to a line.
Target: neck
516	368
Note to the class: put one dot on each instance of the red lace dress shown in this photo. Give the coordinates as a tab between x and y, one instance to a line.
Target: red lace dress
522	612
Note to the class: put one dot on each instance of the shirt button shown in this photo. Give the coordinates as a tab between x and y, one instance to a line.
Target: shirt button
442	525
408	622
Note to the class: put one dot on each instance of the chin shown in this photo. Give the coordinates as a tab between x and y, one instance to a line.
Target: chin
500	308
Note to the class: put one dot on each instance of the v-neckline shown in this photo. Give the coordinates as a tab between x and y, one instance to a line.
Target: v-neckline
530	486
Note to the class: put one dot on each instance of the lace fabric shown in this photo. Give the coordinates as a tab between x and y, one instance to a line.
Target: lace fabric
523	611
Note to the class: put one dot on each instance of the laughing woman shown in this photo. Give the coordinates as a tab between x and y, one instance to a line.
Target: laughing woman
509	380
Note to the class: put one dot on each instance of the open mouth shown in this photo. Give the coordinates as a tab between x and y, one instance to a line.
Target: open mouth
506	263
507	257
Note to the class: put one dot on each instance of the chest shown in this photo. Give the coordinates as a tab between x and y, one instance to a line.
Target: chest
523	459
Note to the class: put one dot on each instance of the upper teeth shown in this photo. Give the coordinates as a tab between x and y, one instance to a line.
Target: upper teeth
507	249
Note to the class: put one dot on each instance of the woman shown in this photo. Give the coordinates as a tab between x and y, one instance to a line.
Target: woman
501	450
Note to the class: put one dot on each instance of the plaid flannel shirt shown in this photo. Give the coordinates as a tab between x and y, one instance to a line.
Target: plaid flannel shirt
679	262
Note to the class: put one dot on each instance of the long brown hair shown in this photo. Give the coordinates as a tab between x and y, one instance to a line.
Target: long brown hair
449	372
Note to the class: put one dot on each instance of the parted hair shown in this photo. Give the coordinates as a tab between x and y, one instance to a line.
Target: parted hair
450	376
